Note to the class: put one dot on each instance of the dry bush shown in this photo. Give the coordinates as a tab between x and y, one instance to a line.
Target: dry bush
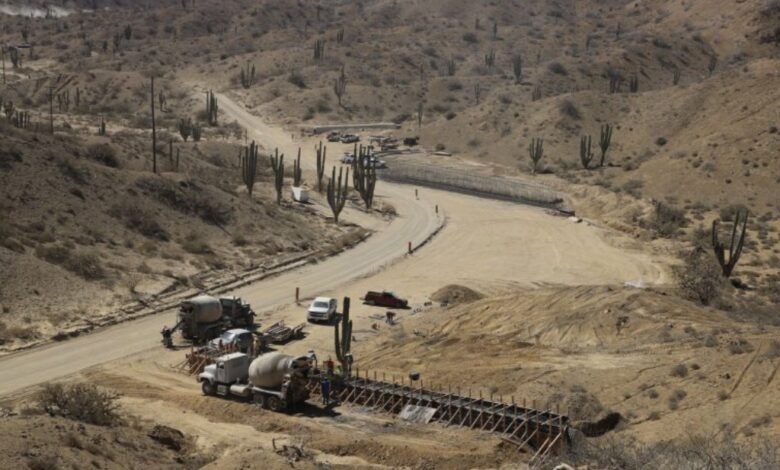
80	402
557	68
83	263
568	108
86	264
740	346
773	351
138	218
103	153
667	221
703	452
680	370
44	462
700	278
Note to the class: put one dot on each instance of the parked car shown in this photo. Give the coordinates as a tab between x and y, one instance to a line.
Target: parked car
348	158
334	136
385	299
322	309
349	139
237	336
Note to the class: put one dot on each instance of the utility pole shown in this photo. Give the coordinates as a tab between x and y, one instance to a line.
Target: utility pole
154	134
51	109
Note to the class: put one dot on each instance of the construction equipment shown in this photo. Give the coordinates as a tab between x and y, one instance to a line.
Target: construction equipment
204	317
274	380
279	333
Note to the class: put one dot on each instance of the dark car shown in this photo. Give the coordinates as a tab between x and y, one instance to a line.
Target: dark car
385	299
334	137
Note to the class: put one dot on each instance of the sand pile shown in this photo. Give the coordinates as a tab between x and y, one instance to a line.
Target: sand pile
455	294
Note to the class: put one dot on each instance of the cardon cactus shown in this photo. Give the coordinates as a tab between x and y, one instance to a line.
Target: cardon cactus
321	151
344	339
249	167
277	164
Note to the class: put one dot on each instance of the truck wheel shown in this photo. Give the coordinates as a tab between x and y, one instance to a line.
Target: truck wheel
208	388
259	400
274	403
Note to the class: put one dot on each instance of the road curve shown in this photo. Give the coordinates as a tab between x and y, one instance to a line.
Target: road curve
415	222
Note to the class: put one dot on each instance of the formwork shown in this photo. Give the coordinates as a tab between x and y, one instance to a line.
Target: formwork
540	431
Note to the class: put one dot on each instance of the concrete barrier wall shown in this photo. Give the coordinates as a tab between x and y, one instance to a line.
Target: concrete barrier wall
479	185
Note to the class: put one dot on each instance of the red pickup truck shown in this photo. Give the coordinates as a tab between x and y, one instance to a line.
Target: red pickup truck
385	299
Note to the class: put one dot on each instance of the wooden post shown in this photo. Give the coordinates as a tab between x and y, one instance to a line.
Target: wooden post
409	249
297	295
437	208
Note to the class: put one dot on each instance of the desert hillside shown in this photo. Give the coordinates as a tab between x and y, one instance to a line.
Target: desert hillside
136	170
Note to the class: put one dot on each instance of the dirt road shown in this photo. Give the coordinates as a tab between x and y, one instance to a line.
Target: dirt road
415	222
492	245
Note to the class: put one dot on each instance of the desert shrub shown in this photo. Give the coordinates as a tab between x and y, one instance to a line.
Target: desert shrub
728	213
652	394
9	156
557	68
103	153
568	108
470	37
700	277
296	79
773	351
72	172
85	264
44	462
80	402
140	220
196	245
676	397
633	187
680	370
667	220
740	346
388	209
188	199
54	254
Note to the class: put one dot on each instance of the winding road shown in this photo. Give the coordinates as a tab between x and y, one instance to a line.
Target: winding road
415	222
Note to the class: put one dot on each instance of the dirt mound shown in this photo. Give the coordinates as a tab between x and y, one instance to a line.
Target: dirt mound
50	442
455	294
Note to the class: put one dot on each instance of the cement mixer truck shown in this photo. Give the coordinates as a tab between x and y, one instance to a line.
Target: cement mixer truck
204	317
273	380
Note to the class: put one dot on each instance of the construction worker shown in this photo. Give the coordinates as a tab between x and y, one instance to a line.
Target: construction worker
325	391
167	339
312	358
329	365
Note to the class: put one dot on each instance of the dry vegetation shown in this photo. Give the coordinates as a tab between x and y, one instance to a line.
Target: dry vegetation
689	88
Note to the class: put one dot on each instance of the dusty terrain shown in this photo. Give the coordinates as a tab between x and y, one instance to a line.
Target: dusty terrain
582	315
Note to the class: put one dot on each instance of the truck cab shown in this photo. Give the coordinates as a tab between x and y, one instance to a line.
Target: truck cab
227	370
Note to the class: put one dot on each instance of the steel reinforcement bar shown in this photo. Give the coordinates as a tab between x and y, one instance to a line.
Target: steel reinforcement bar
543	431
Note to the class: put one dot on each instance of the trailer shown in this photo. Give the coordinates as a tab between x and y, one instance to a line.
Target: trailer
279	333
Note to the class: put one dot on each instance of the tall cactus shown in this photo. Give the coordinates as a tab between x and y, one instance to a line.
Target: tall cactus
277	164
735	244
247	76
490	59
297	176
102	126
536	152
344	338
536	94
337	194
340	85
249	167
633	83
212	108
517	67
321	151
364	175
319	49
605	141
586	155
451	67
